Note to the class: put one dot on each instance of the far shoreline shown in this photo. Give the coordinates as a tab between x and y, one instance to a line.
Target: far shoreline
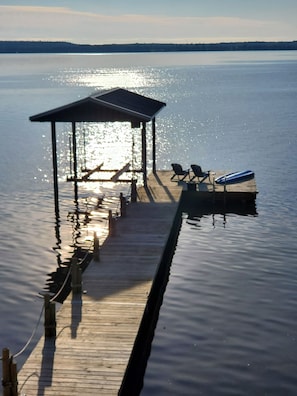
25	47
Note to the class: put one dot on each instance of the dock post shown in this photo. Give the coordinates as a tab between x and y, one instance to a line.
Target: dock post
96	247
123	205
111	224
225	194
213	188
9	374
76	279
133	190
5	372
13	378
49	317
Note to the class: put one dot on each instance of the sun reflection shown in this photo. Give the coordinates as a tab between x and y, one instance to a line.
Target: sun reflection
107	78
111	144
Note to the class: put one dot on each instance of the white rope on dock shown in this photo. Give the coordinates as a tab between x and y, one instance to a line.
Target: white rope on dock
32	335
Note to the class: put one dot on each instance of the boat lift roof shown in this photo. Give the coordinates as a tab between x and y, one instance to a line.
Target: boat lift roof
106	106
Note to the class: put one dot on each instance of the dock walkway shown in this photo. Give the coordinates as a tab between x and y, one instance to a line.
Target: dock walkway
96	330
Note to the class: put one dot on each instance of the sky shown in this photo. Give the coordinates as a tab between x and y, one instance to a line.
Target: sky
149	21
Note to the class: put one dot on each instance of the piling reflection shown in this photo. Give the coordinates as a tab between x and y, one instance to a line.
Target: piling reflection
243	208
59	284
194	212
75	235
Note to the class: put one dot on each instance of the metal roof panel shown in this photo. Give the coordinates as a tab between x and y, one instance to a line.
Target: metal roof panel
107	106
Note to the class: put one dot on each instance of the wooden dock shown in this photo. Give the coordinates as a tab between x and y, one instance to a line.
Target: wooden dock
96	330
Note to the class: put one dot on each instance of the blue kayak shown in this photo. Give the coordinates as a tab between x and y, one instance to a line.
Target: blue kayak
235	177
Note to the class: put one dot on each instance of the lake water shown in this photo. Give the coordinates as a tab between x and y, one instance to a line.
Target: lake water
228	321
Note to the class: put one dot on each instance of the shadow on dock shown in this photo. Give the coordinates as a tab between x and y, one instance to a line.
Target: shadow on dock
47	365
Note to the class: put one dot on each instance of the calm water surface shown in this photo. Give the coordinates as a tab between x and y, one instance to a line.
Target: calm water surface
228	321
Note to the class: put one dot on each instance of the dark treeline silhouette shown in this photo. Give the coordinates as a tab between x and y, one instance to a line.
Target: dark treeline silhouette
66	47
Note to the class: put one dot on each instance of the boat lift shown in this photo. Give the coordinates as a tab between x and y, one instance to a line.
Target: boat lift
116	105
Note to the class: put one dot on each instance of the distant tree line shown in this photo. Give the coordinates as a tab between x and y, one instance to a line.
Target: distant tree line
66	47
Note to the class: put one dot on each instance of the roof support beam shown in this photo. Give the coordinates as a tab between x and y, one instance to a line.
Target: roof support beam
143	153
154	144
55	168
74	160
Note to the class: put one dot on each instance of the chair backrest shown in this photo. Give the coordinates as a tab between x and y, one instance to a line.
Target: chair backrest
177	168
197	170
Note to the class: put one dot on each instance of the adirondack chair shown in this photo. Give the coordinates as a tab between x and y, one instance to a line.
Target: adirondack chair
179	173
198	173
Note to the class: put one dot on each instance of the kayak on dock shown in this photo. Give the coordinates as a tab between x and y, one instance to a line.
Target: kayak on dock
235	177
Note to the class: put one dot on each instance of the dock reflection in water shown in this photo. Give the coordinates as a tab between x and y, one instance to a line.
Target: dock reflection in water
86	217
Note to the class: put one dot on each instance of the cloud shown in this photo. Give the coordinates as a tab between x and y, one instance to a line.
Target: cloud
44	23
60	23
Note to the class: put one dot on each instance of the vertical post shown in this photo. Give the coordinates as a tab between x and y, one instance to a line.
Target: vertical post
55	167
49	317
5	372
9	374
76	281
154	144
133	190
123	205
111	223
74	161
96	247
213	187
13	378
225	194
143	143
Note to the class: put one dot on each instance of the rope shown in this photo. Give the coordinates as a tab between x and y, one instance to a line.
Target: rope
32	335
68	274
62	287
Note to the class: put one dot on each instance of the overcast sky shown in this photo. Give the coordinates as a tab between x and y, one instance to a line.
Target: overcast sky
130	21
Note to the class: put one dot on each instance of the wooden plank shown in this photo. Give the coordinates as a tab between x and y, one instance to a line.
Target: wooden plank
124	169
91	171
